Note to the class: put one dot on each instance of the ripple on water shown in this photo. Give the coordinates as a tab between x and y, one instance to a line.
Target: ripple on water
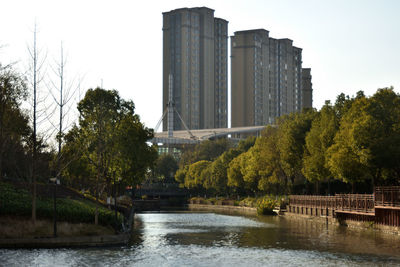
205	239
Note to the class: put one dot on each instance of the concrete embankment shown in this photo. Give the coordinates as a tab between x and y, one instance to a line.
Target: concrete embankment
65	242
362	225
223	208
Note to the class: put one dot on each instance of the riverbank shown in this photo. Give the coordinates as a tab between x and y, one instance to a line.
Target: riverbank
19	232
223	208
66	242
235	210
13	227
75	219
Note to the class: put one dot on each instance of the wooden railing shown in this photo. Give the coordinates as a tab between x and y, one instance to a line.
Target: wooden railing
387	196
312	201
363	203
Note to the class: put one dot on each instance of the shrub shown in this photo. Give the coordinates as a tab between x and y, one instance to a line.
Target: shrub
265	206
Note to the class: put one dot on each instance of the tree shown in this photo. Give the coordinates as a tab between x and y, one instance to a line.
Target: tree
206	150
38	112
318	140
348	157
180	175
193	178
166	167
62	94
78	172
367	144
14	128
113	139
134	157
234	173
291	140
384	135
268	164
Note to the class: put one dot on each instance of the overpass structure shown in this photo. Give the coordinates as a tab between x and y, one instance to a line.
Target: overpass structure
191	136
197	136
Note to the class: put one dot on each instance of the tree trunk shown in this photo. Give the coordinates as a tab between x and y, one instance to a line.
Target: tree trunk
96	214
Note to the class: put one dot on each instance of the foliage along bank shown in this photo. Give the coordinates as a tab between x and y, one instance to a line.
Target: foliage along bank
350	145
17	202
106	149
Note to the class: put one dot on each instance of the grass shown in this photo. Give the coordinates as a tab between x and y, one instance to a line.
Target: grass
18	202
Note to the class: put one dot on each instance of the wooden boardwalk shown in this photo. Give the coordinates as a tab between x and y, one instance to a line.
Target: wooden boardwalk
382	207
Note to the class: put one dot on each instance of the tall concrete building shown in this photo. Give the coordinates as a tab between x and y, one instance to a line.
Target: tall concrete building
195	54
306	87
266	78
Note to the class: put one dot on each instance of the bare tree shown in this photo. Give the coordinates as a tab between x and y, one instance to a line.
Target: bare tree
35	71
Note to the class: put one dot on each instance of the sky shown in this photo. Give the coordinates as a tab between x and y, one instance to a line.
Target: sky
350	45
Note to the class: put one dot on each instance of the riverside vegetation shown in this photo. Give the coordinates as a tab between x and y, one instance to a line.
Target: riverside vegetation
104	151
264	205
16	206
349	146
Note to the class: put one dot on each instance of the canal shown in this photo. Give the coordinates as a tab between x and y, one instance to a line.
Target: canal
208	239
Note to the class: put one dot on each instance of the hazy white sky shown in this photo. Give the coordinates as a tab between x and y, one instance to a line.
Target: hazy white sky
350	45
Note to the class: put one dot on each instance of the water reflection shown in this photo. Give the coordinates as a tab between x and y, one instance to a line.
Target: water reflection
206	239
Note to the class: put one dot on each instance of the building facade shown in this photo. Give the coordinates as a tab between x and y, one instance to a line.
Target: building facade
195	54
306	87
266	78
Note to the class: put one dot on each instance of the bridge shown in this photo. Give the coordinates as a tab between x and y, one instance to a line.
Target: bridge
193	136
197	136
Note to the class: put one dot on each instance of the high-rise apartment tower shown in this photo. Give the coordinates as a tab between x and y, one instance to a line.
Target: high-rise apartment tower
306	87
266	78
195	54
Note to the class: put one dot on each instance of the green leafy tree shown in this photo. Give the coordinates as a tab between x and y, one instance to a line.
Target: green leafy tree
271	175
166	167
134	157
235	177
206	150
318	140
348	157
367	145
384	135
291	140
193	178
113	140
14	128
180	175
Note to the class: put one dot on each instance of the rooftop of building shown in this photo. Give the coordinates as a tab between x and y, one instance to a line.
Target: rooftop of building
221	19
188	9
251	31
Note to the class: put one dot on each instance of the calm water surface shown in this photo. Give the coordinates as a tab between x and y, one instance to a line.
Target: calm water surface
207	239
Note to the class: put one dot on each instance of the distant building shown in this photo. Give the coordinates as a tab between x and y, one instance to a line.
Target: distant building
306	88
266	78
195	54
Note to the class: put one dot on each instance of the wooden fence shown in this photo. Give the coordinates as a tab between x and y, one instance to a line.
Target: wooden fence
387	196
382	207
362	203
359	203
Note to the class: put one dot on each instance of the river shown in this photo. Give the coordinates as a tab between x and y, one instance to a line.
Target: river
208	239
